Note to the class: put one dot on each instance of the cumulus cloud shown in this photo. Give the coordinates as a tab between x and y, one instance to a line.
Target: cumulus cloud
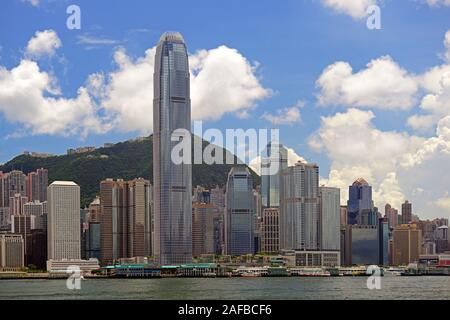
287	116
222	81
357	9
293	158
28	96
399	166
44	43
382	84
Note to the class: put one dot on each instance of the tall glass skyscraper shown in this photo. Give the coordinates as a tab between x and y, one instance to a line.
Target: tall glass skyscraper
172	182
239	213
273	162
360	205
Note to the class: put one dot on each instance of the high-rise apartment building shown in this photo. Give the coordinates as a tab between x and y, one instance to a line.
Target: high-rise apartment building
125	219
239	213
299	212
171	126
63	226
329	219
407	212
391	214
37	184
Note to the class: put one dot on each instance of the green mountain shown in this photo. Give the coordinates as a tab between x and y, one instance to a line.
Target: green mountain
125	160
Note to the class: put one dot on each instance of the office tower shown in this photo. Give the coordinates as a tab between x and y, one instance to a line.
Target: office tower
36	247
218	201
93	240
273	162
125	219
270	230
406	212
392	215
114	230
407	242
344	215
37	184
12	253
5	218
360	204
383	237
258	218
329	219
201	195
239	213
139	218
202	229
299	210
63	229
171	125
365	245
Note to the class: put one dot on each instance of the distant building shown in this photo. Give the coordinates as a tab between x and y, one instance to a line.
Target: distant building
273	162
392	215
12	252
270	230
360	205
37	248
63	229
406	212
37	184
407	243
329	219
126	213
239	213
299	211
344	215
203	229
16	204
80	150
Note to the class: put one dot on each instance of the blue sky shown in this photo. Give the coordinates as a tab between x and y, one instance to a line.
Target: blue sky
288	45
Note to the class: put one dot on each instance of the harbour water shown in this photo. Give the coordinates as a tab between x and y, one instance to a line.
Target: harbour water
392	288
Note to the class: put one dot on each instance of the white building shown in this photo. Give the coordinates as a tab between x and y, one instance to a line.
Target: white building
12	252
63	227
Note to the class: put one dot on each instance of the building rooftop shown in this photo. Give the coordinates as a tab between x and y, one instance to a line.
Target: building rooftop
171	36
360	182
64	183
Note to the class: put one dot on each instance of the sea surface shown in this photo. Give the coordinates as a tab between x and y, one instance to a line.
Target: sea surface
392	288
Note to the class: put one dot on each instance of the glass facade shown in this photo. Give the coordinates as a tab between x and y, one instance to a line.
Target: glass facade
273	162
172	182
239	213
365	245
360	204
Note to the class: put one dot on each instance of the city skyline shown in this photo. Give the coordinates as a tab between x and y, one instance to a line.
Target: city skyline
273	87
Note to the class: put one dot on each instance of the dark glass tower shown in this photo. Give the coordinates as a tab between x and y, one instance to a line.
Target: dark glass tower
171	124
360	205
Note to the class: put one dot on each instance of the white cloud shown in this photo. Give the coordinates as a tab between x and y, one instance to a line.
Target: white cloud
287	116
94	42
399	166
222	81
34	3
44	43
293	158
437	3
383	84
28	96
355	8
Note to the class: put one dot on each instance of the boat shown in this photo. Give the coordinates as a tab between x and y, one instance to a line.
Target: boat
250	274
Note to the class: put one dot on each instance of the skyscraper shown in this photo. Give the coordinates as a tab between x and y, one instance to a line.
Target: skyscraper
407	242
299	210
391	214
273	162
37	184
63	223
239	213
360	204
203	229
171	125
406	212
329	219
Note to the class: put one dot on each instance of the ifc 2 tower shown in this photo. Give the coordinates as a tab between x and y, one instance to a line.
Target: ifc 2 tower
172	244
